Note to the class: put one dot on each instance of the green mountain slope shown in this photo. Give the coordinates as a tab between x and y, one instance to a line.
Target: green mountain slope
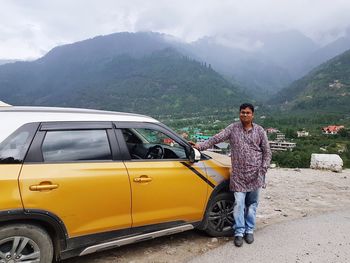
159	82
326	89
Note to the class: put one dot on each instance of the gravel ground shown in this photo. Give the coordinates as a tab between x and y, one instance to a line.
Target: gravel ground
290	194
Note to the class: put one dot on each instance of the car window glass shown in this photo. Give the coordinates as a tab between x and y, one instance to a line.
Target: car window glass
144	143
77	145
14	148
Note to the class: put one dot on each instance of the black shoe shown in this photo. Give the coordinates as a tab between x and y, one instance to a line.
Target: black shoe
238	241
249	238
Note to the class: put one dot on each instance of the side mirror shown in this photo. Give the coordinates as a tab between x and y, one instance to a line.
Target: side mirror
195	155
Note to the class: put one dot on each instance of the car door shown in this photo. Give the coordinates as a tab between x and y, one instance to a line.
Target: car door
72	172
12	152
164	188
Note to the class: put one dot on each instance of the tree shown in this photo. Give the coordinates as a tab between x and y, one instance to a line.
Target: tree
291	134
344	133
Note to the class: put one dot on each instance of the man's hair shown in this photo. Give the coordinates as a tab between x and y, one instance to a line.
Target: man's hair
246	105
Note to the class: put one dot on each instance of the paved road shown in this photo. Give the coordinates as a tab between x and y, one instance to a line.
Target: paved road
324	238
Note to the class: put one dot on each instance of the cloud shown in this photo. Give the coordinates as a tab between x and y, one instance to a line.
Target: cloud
31	28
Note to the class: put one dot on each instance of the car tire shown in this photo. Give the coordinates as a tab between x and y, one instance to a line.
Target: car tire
219	215
27	242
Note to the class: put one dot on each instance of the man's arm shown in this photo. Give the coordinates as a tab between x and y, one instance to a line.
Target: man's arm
219	137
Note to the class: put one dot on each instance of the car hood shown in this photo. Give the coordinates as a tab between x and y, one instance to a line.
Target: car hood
220	158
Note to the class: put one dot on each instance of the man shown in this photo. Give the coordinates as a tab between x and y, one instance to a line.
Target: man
250	157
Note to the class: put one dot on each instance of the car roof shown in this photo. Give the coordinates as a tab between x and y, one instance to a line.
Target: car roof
12	117
72	114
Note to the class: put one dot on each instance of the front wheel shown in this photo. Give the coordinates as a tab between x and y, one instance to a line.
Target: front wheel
219	215
25	243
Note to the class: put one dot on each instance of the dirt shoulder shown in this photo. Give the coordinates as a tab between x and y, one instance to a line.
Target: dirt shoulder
290	194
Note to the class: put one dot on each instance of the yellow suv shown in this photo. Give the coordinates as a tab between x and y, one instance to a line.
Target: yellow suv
77	181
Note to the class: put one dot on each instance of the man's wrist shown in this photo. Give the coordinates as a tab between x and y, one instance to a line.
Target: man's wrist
197	146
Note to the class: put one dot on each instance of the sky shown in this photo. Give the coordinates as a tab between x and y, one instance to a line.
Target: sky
30	28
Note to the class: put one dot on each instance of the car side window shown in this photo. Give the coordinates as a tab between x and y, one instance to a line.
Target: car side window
76	145
145	143
14	148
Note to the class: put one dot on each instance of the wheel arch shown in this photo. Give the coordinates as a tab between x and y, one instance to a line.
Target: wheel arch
44	219
223	187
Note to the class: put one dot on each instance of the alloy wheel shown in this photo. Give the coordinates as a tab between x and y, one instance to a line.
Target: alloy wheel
19	249
221	215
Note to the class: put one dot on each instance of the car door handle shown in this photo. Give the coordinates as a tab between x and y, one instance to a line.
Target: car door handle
43	187
142	179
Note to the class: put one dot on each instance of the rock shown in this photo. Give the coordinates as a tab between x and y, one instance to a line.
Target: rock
148	251
331	162
272	165
214	240
297	170
203	250
171	251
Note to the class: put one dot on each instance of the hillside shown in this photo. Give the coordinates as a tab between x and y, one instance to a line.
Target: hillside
152	80
325	89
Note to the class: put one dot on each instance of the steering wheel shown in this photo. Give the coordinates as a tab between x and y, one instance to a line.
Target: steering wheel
155	152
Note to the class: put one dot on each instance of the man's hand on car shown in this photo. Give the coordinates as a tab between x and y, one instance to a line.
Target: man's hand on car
194	145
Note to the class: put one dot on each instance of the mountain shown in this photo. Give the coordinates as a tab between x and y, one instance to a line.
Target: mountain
259	75
327	52
288	50
325	89
123	72
262	71
104	47
263	63
5	61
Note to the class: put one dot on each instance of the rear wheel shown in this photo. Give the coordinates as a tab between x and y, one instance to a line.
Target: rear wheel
219	215
25	243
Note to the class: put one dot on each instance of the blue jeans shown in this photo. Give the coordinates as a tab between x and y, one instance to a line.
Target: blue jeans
244	212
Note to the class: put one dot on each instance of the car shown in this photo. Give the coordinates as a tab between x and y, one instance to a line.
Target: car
78	181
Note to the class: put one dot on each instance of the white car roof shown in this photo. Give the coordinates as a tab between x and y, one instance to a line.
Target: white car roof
13	117
4	104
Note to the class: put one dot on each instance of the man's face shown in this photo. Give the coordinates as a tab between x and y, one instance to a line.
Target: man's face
246	115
